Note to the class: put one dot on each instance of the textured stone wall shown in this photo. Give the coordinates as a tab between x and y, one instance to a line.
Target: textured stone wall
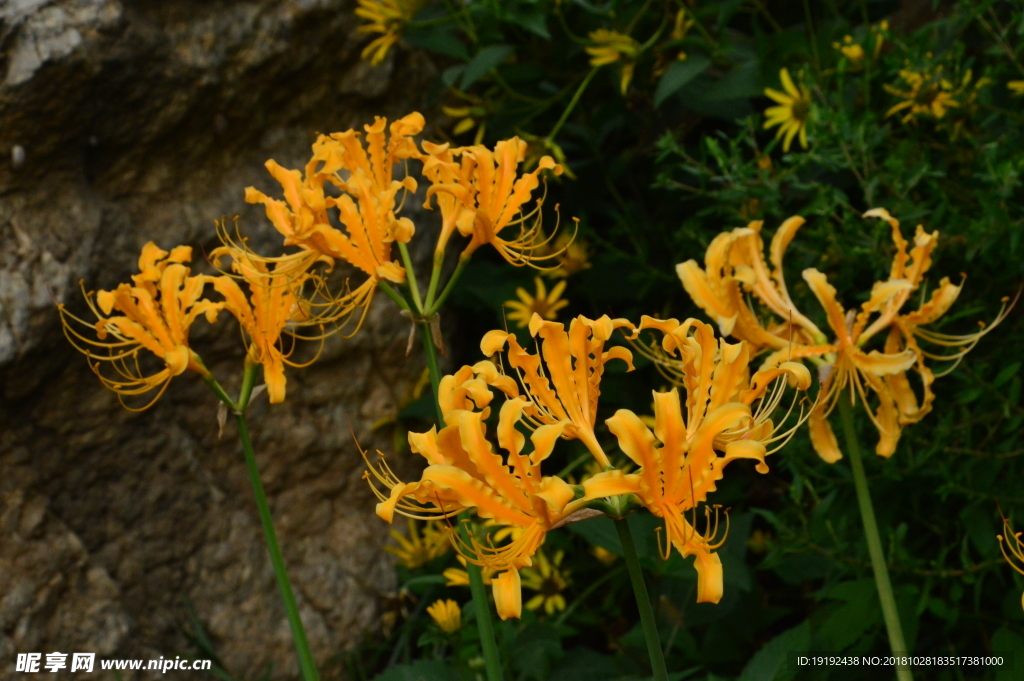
124	122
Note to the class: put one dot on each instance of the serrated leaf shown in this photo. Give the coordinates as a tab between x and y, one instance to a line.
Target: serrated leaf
769	663
679	74
485	60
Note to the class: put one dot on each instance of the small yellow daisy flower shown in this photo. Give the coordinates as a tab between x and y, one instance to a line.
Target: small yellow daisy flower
447	614
543	303
792	113
549	580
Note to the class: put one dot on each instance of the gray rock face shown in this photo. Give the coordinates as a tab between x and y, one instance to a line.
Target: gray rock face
125	122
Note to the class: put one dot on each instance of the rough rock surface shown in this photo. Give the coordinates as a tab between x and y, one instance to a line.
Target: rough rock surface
124	122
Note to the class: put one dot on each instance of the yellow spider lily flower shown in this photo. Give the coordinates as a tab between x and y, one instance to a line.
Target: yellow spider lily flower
543	303
157	311
487	198
447	614
418	548
565	390
464	472
929	94
680	462
735	266
366	207
792	112
275	306
387	17
1013	549
549	579
611	47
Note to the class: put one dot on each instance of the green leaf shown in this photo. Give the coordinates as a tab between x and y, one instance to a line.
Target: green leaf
531	17
437	39
679	74
848	623
769	663
743	82
1006	374
485	60
1011	647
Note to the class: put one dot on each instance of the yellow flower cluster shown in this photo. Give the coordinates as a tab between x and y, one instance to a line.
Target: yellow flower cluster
344	205
735	268
722	416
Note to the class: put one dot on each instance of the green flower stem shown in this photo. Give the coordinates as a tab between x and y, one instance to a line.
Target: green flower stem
410	276
813	38
434	366
573	102
392	294
867	514
484	625
459	269
643	601
435	278
476	580
306	664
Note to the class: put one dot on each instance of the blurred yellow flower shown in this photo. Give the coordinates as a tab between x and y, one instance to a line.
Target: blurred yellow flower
543	303
447	614
1016	87
792	113
549	580
575	256
387	17
611	47
853	52
157	311
681	26
929	93
604	555
419	547
1013	549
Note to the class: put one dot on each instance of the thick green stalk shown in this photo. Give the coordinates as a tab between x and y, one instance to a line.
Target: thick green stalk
476	580
484	625
643	601
867	514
